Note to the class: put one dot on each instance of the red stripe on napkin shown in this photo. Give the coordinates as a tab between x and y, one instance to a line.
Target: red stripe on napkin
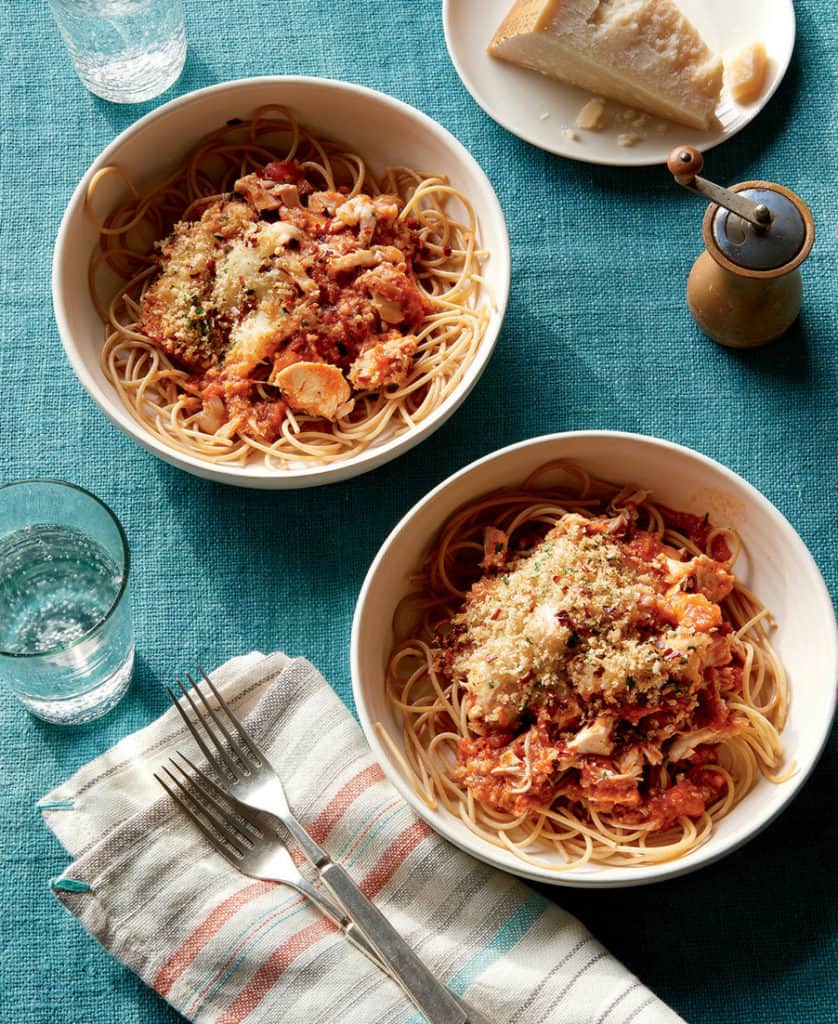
243	942
272	970
186	952
337	806
393	857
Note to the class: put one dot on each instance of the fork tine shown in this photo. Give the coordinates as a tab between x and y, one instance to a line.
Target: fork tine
232	768
231	854
222	820
215	794
244	756
261	830
195	734
255	752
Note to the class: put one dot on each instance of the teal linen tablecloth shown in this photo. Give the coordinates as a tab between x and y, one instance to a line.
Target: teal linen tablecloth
597	336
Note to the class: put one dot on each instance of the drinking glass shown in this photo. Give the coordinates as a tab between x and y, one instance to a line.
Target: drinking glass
66	645
125	51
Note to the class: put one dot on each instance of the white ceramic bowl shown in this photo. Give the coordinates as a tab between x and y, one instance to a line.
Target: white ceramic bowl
384	130
775	564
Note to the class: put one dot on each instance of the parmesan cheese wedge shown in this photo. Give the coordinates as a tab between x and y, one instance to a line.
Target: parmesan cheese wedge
643	53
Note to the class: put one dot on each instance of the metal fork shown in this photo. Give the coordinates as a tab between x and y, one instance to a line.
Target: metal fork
245	773
244	842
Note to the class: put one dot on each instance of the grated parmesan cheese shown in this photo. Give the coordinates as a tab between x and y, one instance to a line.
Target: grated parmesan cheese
571	616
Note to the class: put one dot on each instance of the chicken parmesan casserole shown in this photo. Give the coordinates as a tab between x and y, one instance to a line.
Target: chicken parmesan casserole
581	671
277	301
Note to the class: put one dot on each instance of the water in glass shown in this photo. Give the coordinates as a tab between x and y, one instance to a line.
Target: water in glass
125	51
58	601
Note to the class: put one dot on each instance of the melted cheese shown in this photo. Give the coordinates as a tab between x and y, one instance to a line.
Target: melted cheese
254	265
642	52
227	284
258	335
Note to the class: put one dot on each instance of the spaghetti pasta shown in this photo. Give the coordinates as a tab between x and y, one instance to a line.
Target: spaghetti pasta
276	301
581	678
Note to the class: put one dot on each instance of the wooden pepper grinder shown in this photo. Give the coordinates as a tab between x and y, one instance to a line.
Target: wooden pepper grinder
745	289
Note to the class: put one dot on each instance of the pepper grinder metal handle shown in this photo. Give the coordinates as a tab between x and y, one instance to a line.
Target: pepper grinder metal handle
745	289
685	162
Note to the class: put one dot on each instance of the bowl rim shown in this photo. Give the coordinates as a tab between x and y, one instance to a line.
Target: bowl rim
255	475
617	877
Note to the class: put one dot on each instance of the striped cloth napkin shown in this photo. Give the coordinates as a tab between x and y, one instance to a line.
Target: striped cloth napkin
224	949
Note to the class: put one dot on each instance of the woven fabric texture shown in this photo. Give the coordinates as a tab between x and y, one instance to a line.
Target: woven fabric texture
597	335
234	950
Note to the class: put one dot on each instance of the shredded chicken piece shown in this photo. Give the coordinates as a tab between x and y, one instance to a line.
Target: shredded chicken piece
384	364
325	202
495	546
685	744
264	194
318	389
213	415
366	213
594	738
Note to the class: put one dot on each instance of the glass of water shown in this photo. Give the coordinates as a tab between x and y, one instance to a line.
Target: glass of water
66	645
125	51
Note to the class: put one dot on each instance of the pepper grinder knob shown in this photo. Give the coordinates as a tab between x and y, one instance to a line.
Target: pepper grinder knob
684	163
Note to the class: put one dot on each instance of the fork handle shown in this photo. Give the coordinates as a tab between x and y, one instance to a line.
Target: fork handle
429	994
438	1004
354	934
359	940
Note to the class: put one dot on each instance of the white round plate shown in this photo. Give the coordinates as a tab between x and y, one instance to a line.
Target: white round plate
540	109
774	563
